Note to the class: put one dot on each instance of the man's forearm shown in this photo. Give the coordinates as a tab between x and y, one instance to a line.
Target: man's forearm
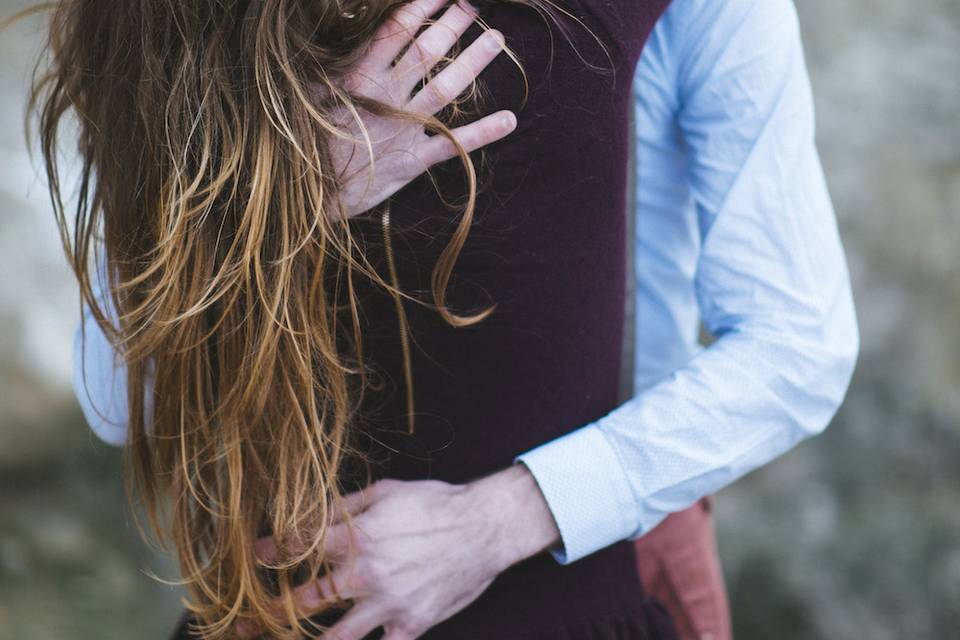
521	523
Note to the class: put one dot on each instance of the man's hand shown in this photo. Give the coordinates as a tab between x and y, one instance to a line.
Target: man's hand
401	149
424	550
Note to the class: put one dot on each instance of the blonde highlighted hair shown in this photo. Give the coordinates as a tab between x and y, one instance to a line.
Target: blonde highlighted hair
206	165
204	130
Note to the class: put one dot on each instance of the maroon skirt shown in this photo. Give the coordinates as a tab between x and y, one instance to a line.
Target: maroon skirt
553	599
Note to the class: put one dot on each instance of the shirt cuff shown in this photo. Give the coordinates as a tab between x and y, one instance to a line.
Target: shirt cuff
586	489
99	384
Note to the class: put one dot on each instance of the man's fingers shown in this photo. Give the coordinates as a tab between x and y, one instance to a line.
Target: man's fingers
359	621
309	598
342	583
352	503
433	44
397	31
339	539
336	543
459	74
338	535
470	136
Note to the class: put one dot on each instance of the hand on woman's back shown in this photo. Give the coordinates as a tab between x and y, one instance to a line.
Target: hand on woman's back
400	148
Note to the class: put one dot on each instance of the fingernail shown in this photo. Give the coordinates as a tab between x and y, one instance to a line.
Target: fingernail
495	40
509	120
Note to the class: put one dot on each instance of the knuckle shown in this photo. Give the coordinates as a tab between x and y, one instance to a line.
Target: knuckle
358	542
439	92
436	485
409	165
369	575
355	579
412	623
374	490
403	628
359	81
347	630
425	54
393	632
397	26
380	487
409	16
386	485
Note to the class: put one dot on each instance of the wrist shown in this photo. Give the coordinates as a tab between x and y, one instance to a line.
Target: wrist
511	504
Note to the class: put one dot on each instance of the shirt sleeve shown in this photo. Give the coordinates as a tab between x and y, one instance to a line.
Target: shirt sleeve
771	283
99	373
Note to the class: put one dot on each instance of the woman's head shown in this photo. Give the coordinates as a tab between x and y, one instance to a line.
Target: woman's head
205	130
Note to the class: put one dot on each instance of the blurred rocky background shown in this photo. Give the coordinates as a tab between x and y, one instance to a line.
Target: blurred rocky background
855	534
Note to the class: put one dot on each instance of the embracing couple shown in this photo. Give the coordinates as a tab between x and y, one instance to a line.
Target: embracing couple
361	273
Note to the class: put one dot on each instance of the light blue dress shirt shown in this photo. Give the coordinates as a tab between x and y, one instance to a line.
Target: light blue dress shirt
735	227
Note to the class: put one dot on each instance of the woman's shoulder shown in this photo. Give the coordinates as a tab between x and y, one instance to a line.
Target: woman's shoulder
627	23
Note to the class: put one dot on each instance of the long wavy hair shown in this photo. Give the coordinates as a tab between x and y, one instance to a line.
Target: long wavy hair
206	179
206	166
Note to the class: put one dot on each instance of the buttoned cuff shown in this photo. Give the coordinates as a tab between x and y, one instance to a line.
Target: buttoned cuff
586	489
